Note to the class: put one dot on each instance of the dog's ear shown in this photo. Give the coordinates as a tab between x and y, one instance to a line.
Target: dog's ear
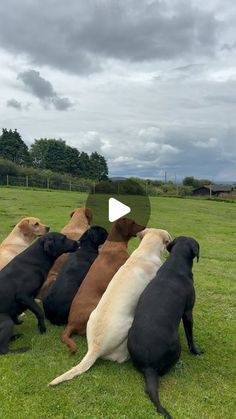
72	213
24	226
93	235
141	234
49	246
167	239
196	249
170	245
122	227
88	214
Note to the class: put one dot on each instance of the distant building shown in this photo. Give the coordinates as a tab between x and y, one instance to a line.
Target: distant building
214	190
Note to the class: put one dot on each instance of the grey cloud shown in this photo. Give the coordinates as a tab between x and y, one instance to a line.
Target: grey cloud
43	90
181	152
78	38
221	99
13	103
229	47
61	103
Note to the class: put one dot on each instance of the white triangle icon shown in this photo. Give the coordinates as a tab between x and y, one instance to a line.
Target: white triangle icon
117	209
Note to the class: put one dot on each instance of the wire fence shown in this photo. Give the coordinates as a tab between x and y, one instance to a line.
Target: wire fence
57	184
89	186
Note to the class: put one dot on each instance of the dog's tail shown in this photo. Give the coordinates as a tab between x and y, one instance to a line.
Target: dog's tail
88	360
152	389
66	338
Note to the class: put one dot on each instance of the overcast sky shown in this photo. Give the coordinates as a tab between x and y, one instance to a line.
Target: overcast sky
150	84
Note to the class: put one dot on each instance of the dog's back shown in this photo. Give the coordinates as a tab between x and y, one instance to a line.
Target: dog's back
61	292
162	302
110	259
12	277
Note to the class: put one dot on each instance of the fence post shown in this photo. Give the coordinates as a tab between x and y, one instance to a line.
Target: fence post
94	187
70	185
48	183
27	181
7	180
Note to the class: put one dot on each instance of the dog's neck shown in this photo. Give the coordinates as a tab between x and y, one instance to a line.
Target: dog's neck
114	244
89	245
17	237
76	224
152	250
182	258
117	237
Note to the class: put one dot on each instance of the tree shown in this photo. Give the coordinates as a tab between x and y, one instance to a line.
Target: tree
13	148
72	160
84	165
49	154
98	167
195	183
57	156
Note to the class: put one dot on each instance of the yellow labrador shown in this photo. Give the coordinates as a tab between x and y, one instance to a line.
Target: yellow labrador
109	323
22	235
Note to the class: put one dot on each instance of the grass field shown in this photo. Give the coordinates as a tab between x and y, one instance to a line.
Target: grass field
198	388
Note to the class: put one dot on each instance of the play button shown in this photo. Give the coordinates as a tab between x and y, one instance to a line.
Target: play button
117	210
113	199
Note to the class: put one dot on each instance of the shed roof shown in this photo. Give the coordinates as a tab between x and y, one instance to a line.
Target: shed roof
216	188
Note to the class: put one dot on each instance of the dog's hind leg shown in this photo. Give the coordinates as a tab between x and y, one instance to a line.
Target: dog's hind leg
152	389
6	331
66	338
119	354
6	335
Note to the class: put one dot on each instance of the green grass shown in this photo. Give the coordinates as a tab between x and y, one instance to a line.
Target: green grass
198	388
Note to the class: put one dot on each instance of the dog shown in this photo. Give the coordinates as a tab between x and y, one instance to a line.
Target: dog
61	292
112	256
21	279
21	237
109	323
79	223
153	339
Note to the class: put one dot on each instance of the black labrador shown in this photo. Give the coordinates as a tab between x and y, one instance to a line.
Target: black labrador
153	339
21	280
61	292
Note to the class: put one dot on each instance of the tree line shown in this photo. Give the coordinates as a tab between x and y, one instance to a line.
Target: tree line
52	154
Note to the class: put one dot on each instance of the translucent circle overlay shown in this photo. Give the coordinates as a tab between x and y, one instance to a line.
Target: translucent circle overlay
129	192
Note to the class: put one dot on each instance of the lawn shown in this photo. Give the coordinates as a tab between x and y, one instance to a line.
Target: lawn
198	388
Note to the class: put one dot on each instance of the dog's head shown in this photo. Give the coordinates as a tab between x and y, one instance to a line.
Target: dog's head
84	214
155	237
32	227
55	244
127	228
95	235
187	243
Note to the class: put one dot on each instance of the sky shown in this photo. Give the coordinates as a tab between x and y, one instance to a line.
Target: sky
150	84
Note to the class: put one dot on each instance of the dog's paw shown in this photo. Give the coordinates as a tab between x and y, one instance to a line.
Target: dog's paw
18	321
197	351
16	336
42	328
